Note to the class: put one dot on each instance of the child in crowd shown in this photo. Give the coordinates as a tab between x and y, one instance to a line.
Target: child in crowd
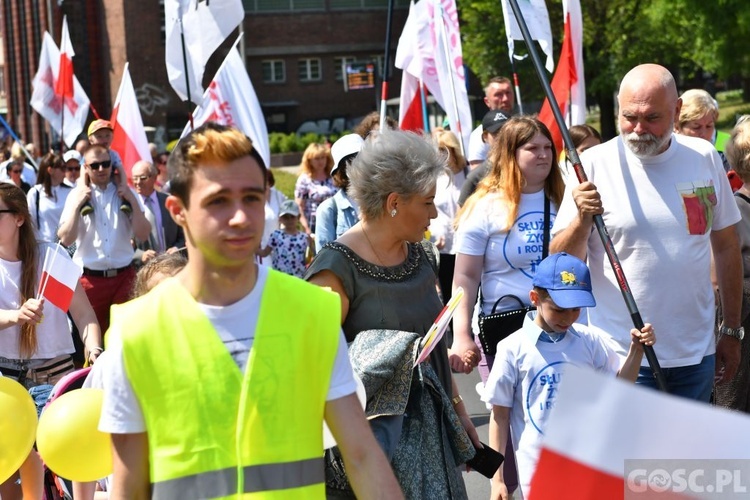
522	386
289	244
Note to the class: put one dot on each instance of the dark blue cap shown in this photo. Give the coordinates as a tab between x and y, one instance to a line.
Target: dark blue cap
567	279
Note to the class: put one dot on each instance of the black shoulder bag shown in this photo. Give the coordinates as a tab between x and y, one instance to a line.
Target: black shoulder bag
494	327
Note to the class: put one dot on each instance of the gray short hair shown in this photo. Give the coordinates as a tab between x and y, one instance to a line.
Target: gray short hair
395	162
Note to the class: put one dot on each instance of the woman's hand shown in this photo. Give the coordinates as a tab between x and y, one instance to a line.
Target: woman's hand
30	312
468	426
463	355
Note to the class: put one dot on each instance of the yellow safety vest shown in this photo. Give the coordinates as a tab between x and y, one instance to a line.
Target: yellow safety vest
193	395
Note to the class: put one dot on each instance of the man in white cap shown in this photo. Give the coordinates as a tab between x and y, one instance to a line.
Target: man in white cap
339	212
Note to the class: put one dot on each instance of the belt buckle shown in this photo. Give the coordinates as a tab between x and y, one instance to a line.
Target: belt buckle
110	273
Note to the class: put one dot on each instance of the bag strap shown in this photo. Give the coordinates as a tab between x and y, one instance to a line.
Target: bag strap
545	240
740	195
520	302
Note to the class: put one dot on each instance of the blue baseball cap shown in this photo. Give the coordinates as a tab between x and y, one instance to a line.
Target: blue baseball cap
567	280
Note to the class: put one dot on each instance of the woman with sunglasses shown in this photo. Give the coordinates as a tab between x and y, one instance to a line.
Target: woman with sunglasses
14	171
47	198
33	351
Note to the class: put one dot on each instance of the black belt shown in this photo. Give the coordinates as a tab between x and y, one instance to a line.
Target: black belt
107	273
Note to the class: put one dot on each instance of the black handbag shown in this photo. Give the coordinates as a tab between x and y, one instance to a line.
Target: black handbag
495	327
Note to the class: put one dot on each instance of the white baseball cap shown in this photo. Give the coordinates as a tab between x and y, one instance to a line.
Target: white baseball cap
349	144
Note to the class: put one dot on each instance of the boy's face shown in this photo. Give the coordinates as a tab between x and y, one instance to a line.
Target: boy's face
103	137
550	317
226	214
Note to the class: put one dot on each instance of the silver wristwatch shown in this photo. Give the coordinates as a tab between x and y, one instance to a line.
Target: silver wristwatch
738	333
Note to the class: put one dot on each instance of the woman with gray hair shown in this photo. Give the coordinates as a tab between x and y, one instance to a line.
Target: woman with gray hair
385	273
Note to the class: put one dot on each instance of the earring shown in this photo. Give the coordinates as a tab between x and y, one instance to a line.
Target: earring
393	212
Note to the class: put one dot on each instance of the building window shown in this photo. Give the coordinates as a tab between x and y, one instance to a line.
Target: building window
379	60
339	64
283	5
274	71
309	70
366	4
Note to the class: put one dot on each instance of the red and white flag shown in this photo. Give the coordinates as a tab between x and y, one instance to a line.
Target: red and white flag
129	137
64	83
60	277
411	110
430	50
230	99
568	83
607	438
49	104
203	26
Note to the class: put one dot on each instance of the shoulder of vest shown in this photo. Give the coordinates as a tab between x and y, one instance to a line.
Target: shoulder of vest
301	293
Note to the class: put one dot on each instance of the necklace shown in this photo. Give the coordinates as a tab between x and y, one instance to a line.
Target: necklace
372	247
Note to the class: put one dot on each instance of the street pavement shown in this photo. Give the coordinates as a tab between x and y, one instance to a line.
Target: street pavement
477	485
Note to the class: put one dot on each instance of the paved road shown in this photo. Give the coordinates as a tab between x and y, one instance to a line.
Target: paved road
477	485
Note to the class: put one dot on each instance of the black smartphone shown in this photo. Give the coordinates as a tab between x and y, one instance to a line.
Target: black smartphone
486	461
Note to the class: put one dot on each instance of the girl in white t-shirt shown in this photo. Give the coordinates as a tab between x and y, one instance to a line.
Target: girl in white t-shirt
500	231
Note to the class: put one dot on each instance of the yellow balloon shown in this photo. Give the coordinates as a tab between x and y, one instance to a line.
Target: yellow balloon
68	438
17	426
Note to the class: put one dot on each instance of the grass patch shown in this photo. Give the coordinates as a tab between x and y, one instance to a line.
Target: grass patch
284	182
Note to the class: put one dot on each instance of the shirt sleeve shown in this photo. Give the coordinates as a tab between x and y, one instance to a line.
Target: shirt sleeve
342	379
325	225
121	411
500	388
301	188
473	232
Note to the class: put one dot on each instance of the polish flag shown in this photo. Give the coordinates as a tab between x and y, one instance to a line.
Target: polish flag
60	277
607	438
129	137
410	110
568	83
64	83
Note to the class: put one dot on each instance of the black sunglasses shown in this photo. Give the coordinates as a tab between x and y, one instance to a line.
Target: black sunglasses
7	211
73	169
97	165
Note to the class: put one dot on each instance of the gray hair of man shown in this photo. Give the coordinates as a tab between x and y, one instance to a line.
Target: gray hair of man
396	162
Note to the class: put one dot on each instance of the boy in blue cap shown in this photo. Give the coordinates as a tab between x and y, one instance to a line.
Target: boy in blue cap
522	386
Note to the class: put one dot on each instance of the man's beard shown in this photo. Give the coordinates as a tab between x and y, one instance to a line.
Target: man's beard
646	145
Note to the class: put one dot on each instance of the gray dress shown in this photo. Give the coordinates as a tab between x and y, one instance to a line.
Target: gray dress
404	298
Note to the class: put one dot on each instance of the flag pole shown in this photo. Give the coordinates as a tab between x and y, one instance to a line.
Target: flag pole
187	76
570	149
15	138
451	70
511	53
386	65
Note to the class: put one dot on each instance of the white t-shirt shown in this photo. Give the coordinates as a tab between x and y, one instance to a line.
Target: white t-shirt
46	216
525	378
121	412
53	332
447	192
478	149
510	257
103	239
659	213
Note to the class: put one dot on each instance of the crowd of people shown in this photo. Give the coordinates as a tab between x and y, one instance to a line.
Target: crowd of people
383	228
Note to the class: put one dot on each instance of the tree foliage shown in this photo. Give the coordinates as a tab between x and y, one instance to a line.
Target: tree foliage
689	37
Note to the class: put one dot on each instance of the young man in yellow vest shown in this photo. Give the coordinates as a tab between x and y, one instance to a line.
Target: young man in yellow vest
220	377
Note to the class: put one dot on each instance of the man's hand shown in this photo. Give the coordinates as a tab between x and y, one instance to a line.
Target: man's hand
463	355
30	312
124	192
82	194
147	255
588	201
727	359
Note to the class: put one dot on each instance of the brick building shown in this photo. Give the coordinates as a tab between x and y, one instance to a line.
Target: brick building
295	51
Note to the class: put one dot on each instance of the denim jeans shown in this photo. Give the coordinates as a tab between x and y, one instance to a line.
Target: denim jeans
692	382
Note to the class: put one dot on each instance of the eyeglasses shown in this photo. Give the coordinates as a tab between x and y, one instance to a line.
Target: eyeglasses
97	165
7	211
141	178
